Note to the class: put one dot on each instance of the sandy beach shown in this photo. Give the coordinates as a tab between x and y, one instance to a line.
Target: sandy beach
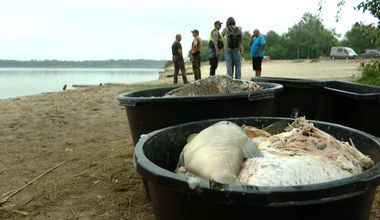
303	69
68	155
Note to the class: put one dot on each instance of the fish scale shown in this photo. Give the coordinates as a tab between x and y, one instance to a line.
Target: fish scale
212	85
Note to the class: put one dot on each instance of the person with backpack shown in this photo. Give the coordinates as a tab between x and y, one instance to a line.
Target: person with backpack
233	36
258	45
215	45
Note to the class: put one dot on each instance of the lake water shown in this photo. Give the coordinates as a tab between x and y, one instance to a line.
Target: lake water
30	81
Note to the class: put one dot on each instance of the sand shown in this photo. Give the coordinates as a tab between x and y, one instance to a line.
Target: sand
303	69
85	133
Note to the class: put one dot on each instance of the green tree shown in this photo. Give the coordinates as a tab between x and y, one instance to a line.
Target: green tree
372	33
372	6
329	39
204	52
360	37
278	46
168	63
245	45
309	39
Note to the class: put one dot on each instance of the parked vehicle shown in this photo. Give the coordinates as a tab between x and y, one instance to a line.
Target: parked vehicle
342	53
370	53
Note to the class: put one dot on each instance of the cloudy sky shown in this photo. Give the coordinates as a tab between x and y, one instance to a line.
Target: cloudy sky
130	29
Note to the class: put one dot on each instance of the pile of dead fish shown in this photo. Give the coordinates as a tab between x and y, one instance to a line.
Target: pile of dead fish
213	85
302	154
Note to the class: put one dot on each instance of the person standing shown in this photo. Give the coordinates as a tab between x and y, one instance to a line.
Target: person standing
196	47
258	45
215	45
233	36
179	63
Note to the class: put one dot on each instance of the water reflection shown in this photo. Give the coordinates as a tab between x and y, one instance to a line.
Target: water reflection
28	81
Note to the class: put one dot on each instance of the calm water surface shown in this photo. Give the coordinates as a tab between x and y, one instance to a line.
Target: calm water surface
30	81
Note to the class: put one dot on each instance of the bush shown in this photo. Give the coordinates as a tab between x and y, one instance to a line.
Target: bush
168	63
371	74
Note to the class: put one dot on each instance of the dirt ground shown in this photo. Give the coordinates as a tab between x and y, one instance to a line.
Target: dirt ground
68	155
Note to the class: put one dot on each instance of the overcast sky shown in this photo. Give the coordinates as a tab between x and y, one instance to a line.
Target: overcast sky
134	29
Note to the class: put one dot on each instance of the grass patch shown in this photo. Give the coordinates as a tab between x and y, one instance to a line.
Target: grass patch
371	74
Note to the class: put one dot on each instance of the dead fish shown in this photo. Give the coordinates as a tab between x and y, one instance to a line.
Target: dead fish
267	131
212	85
300	155
280	170
217	152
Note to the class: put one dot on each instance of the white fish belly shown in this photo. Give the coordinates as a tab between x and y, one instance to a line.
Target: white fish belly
215	163
289	171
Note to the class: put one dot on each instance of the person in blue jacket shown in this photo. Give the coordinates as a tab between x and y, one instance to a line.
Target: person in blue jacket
258	45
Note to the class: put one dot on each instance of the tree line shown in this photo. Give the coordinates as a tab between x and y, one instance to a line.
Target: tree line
308	39
126	63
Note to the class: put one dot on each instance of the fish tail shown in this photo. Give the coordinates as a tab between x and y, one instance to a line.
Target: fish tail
276	127
251	150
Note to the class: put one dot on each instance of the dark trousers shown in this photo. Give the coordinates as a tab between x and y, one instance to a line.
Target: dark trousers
213	65
179	64
196	63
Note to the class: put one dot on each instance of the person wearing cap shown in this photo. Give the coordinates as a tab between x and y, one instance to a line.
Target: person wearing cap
196	47
215	45
178	60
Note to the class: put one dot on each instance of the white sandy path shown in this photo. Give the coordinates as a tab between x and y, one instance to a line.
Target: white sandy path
303	69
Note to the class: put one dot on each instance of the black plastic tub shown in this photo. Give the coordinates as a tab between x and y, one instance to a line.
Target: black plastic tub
156	157
351	104
298	98
147	110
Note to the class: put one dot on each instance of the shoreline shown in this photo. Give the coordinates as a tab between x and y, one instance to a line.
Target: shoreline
345	70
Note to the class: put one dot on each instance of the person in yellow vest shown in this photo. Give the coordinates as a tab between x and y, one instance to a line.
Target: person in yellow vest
215	46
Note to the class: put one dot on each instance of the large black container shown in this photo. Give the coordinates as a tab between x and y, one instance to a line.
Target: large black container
351	104
298	98
156	157
147	110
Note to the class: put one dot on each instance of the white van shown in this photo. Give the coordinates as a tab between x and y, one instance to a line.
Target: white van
342	53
